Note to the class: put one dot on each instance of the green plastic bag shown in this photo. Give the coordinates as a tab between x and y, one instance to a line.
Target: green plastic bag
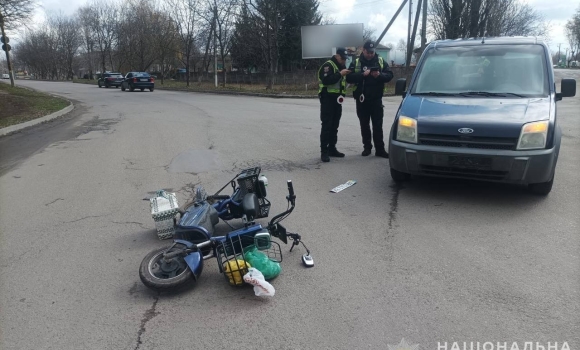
261	262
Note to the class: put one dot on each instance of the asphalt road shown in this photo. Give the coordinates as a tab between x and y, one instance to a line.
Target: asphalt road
432	261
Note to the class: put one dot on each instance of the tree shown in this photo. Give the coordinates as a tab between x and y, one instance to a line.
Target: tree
68	41
136	31
165	40
292	16
573	35
263	15
222	16
184	15
452	19
245	50
87	32
103	19
14	13
268	33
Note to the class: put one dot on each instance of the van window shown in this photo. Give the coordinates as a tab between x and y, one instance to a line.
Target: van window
518	69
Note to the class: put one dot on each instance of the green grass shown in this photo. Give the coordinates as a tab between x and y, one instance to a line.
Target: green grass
21	105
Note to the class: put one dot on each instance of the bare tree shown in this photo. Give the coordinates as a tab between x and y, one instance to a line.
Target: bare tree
224	16
573	35
68	42
451	19
46	51
137	29
14	13
184	14
165	40
104	25
88	36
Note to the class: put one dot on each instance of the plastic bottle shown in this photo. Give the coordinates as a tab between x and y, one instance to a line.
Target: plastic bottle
264	179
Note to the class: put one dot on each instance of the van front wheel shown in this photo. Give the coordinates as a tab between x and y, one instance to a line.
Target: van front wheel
542	188
399	176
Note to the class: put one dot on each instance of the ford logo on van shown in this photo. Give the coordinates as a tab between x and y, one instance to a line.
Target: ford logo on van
465	130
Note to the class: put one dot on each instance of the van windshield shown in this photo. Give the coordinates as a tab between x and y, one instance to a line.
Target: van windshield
486	70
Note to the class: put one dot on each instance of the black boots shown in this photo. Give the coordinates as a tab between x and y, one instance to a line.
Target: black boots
332	152
381	153
335	153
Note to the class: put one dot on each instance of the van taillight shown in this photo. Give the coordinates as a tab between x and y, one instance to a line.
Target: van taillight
134	80
152	80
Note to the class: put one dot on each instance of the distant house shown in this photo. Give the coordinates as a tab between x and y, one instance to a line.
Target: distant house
384	52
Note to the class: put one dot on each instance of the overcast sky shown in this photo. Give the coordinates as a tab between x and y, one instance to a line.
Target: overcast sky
377	13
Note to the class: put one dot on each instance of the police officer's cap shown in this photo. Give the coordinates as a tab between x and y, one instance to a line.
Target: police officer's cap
342	52
369	46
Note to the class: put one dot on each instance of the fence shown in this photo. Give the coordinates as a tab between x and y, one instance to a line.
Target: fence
300	79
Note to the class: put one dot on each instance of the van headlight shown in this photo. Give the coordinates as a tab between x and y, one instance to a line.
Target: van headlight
407	130
533	135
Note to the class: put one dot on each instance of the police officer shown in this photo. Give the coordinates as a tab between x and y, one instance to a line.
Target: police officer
370	73
331	89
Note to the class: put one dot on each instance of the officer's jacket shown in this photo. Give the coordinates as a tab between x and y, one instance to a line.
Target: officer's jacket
373	87
329	77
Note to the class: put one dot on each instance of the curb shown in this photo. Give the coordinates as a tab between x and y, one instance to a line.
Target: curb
10	129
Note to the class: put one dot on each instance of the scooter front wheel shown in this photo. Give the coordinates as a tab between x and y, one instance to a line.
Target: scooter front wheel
162	274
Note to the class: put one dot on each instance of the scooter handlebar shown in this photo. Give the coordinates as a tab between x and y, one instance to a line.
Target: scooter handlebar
290	189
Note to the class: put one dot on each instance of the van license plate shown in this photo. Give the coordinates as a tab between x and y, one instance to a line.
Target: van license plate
470	162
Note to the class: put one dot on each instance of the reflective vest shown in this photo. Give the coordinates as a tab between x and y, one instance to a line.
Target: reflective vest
336	88
357	67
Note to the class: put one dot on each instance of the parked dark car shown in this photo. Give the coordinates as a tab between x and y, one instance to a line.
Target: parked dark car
482	109
138	80
110	79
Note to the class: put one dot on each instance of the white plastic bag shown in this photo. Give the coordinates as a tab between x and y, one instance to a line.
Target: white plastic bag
261	286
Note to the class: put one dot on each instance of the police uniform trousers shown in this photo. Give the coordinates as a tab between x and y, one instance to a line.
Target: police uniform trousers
330	113
371	111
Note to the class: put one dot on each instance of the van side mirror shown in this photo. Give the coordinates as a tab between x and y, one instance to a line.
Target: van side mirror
401	86
568	89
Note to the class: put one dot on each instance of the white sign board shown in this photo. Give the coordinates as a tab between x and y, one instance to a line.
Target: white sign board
321	41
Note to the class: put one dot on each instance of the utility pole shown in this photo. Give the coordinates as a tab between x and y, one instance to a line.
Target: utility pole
412	46
390	23
214	44
559	57
409	30
424	27
6	48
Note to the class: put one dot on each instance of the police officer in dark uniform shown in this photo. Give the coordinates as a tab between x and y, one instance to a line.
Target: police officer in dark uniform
370	73
331	89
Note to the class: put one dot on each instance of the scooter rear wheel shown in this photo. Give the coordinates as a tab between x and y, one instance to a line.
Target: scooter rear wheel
161	275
